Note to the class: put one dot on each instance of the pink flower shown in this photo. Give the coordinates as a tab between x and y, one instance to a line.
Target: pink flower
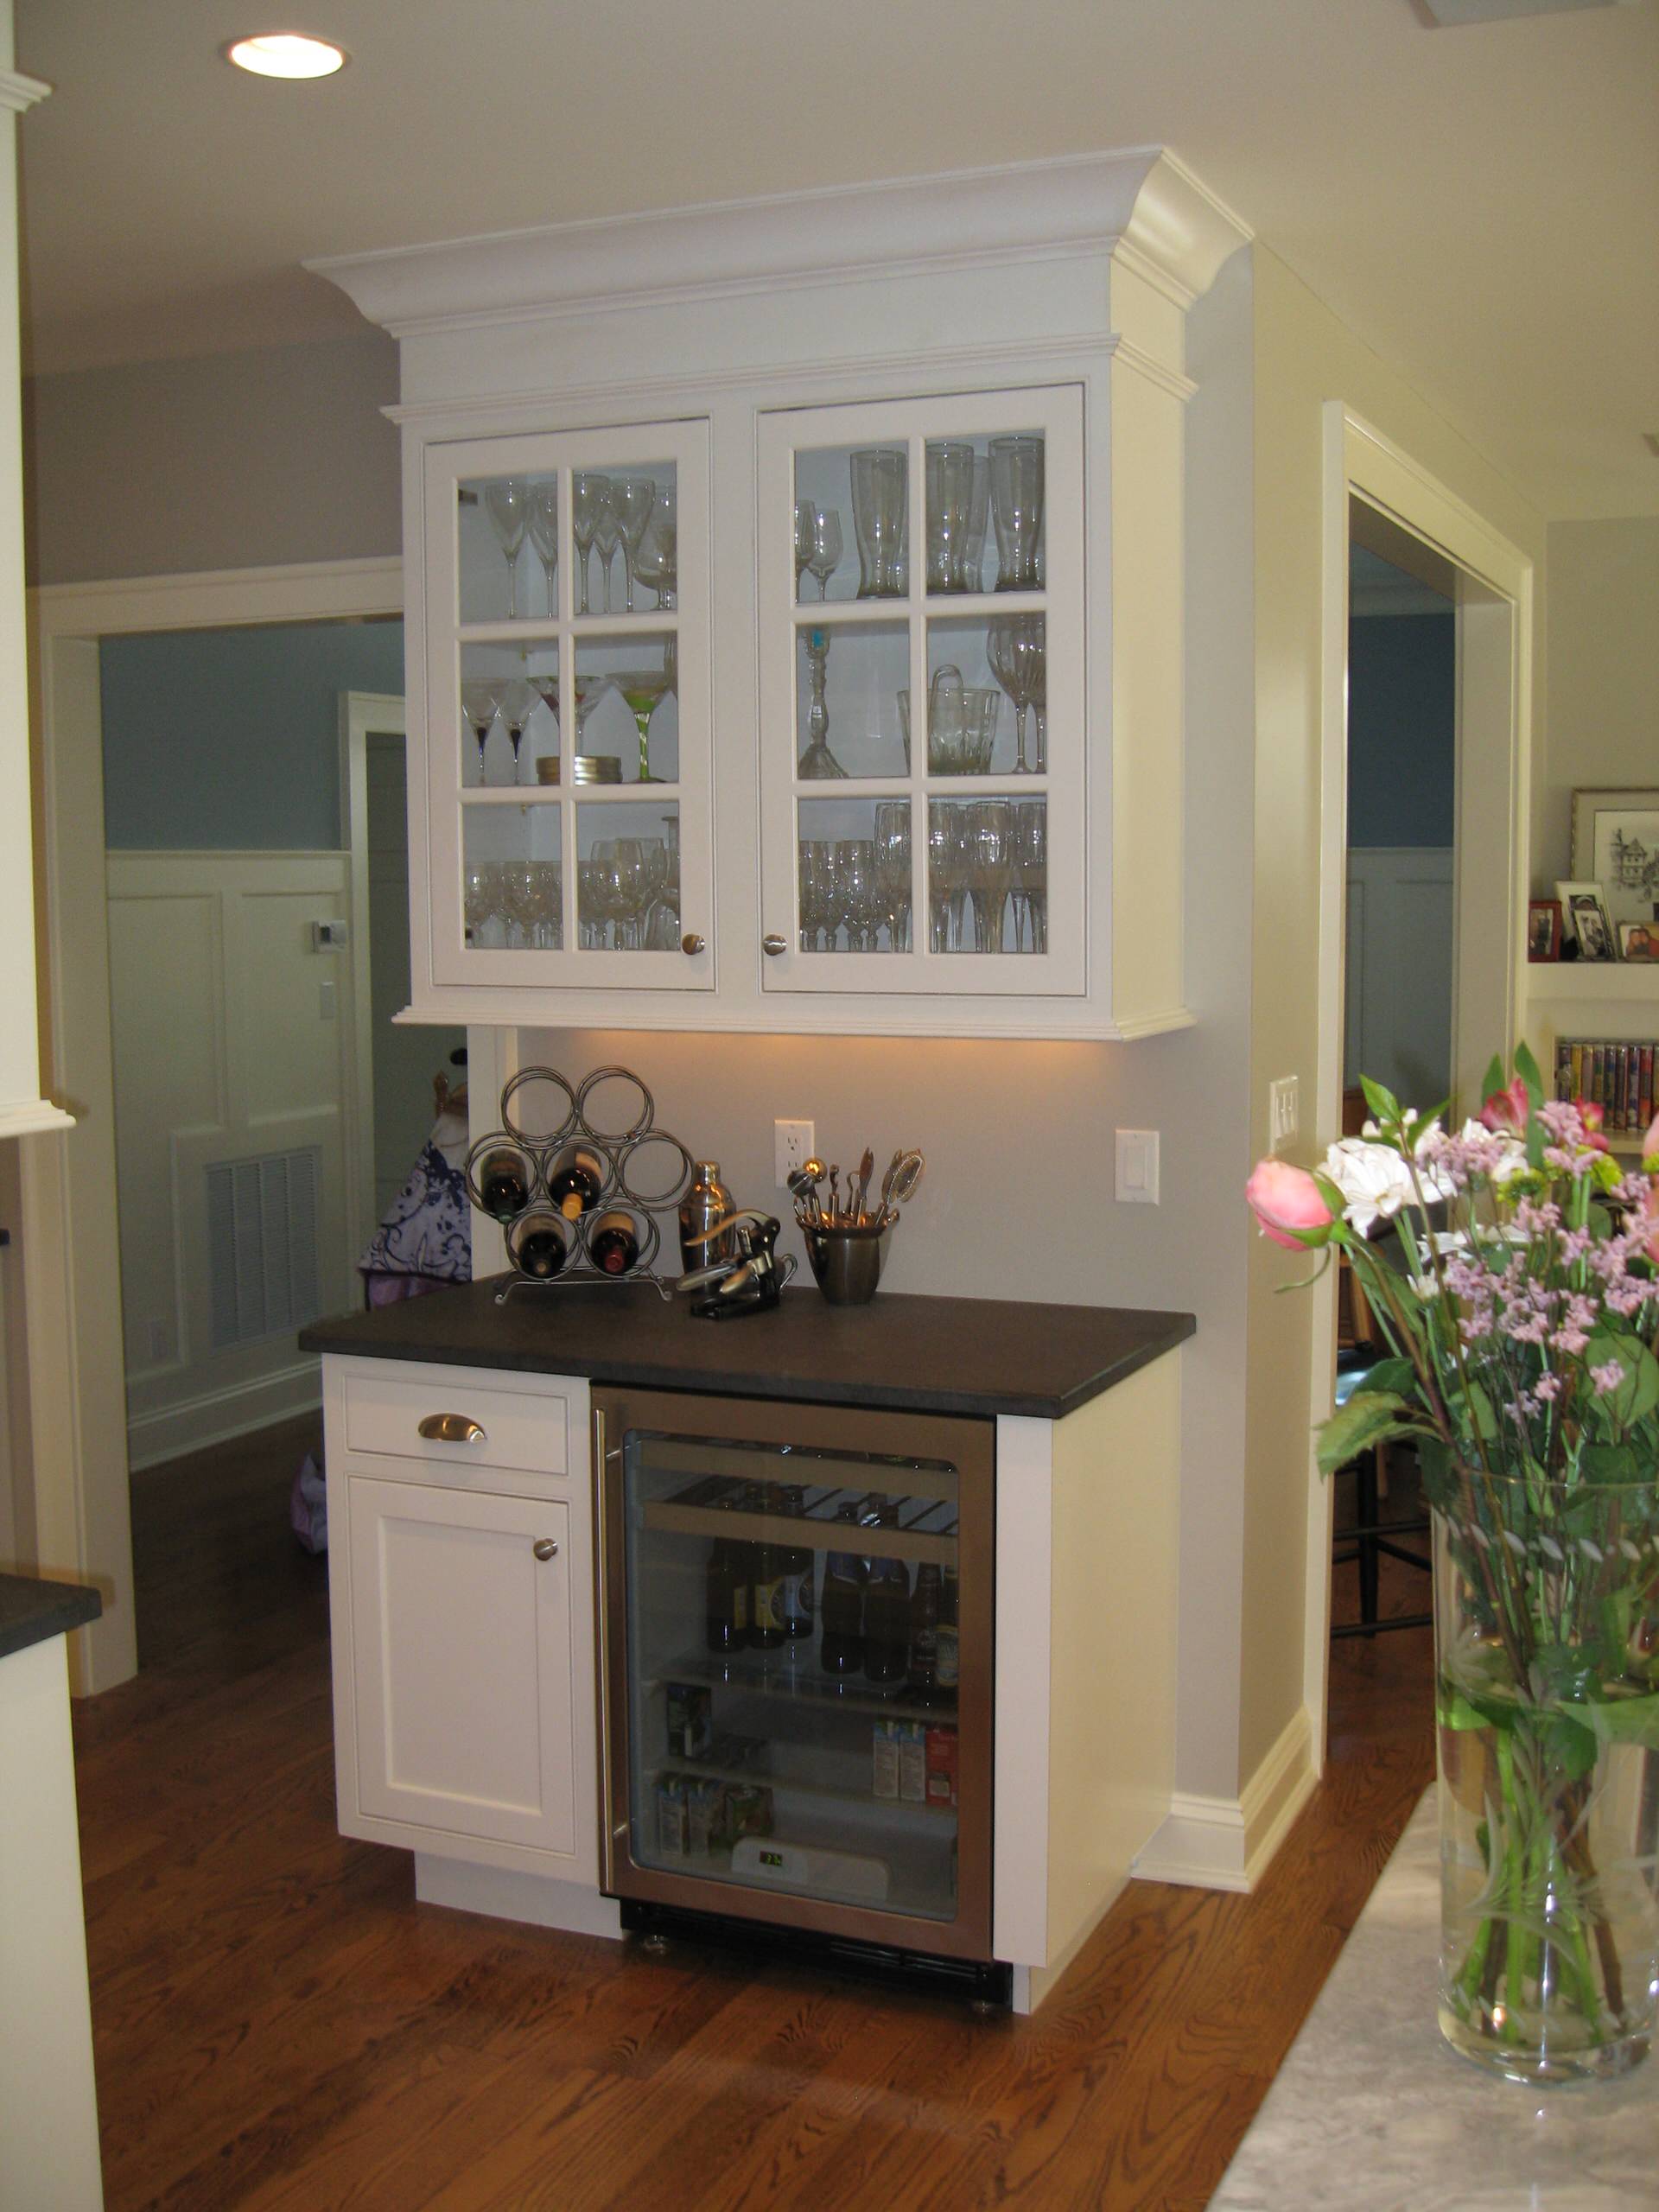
1286	1204
1592	1117
1506	1110
1607	1378
1650	1143
1645	1224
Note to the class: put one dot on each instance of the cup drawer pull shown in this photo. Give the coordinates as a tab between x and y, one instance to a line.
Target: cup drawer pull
451	1428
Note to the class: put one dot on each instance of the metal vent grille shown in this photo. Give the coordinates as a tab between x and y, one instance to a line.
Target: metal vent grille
262	1242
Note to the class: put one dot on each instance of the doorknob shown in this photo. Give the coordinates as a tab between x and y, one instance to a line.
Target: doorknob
544	1548
691	943
771	944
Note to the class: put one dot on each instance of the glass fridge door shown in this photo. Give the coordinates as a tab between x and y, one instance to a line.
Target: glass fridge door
799	1626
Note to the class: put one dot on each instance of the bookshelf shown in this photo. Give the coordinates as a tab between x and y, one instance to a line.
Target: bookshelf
1608	1001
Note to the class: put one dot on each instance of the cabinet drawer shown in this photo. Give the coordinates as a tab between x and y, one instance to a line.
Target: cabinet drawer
528	1430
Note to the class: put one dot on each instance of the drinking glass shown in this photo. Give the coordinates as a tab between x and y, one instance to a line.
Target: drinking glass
602	894
478	903
547	911
1014	650
507	502
878	498
946	721
947	873
545	537
1017	511
991	869
1031	868
643	689
478	704
804	514
981	705
607	536
590	496
633	499
973	538
949	482
893	869
655	561
860	894
825	557
519	901
517	700
1039	694
820	915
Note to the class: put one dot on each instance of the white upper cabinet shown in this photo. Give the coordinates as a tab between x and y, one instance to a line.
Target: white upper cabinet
795	608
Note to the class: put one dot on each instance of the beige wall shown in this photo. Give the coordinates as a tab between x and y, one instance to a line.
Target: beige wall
1603	725
233	460
1304	356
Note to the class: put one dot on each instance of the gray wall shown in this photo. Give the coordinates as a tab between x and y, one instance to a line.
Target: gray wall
247	460
1402	729
226	741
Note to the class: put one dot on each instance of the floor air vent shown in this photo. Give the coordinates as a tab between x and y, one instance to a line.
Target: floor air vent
262	1242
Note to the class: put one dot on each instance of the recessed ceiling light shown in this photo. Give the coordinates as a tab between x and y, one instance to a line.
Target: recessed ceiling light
286	54
1446	13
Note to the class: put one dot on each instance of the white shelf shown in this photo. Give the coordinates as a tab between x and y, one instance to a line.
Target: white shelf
1572	980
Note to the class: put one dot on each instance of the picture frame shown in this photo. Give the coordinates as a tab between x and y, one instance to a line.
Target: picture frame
1584	915
1543	929
1616	844
1639	941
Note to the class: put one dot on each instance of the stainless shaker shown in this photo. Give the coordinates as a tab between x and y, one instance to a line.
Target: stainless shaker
707	1202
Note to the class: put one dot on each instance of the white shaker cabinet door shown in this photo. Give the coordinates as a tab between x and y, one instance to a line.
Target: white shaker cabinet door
462	1662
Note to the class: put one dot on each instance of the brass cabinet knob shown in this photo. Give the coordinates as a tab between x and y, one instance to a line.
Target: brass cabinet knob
451	1428
771	944
544	1548
691	943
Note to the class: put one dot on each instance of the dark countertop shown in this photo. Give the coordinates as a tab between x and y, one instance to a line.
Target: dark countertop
30	1610
976	1356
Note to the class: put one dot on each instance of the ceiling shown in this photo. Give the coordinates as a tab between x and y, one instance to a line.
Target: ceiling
1477	203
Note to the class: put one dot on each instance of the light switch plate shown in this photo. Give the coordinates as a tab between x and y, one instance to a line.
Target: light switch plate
1284	1111
793	1145
1137	1166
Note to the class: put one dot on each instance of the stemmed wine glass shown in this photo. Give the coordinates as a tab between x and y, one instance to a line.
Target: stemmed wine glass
591	497
804	513
947	873
545	537
823	550
991	868
633	499
656	562
643	689
507	502
478	703
607	536
517	700
1016	652
893	869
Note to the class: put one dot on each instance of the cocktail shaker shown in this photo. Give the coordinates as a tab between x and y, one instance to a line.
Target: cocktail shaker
707	1202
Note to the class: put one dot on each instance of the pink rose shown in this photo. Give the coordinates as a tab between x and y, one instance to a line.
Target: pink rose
1286	1204
1506	1110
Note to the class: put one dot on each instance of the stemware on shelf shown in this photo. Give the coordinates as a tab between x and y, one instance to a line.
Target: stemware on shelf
516	699
1031	867
1017	511
817	763
507	502
823	553
948	485
478	899
820	917
607	538
948	863
478	703
633	499
1015	651
973	537
892	877
991	869
879	495
642	690
859	893
543	526
590	496
655	563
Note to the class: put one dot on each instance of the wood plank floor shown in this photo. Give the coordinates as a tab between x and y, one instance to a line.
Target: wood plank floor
278	2026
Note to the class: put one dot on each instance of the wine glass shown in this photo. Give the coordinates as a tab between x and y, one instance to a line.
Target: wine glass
507	502
545	537
824	557
590	496
861	893
517	700
601	894
812	863
547	908
804	513
656	562
947	873
633	499
893	869
1017	511
643	689
607	536
991	868
477	902
1014	649
478	704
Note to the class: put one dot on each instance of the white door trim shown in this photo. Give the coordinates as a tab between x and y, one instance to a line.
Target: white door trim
1359	461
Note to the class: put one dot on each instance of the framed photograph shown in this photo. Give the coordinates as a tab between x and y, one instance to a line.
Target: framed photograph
1616	844
1543	929
1639	941
1584	916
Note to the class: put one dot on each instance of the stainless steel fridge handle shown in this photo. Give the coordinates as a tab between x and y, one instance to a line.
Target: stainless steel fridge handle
602	1569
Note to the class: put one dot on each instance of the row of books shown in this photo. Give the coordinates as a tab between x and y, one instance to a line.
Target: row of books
1615	1073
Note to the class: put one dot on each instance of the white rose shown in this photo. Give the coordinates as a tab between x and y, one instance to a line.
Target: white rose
1375	1181
1503	1156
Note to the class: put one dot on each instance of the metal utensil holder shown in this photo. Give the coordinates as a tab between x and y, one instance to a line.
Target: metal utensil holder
617	1148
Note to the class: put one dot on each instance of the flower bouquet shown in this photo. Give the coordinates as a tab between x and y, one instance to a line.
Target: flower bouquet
1511	1269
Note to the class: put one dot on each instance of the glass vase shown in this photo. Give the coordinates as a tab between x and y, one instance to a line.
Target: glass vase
1547	1657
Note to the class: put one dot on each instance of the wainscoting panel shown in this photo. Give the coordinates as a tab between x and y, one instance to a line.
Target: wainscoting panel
232	1035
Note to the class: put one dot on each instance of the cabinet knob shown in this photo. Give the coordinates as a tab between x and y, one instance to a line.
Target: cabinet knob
771	944
451	1428
691	943
544	1548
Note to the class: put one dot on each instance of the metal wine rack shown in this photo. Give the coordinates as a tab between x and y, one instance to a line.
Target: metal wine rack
621	1151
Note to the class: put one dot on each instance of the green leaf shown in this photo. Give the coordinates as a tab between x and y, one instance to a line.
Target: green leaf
1611	1463
1454	1711
1637	1395
1389	1375
1621	1719
1493	1079
1480	1408
1363	1422
1384	1106
1526	1068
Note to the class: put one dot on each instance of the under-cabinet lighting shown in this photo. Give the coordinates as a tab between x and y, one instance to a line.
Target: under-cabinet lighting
286	54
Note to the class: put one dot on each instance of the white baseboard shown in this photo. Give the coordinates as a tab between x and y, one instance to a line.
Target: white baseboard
507	1893
1228	1843
218	1415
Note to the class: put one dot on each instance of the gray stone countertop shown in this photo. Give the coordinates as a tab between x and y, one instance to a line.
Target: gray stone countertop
1374	2112
31	1610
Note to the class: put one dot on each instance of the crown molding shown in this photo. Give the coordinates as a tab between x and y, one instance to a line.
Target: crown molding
1141	199
20	94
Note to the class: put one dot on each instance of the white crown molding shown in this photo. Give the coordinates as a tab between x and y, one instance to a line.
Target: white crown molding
1174	228
20	94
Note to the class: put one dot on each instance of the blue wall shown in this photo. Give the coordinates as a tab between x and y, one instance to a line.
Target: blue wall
229	740
1402	729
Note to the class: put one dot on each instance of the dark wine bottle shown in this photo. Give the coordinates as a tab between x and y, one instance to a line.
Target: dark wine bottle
541	1246
615	1244
727	1607
841	1649
887	1613
504	1184
575	1185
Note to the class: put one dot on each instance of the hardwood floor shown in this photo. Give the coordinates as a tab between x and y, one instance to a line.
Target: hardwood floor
278	2026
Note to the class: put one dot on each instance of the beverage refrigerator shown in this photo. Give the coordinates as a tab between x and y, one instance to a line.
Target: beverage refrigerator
796	1672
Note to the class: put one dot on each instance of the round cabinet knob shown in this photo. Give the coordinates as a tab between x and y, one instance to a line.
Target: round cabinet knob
544	1548
771	944
691	943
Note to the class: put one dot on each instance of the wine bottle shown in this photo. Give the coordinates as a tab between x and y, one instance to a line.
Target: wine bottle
615	1244
575	1185
841	1647
504	1184
541	1245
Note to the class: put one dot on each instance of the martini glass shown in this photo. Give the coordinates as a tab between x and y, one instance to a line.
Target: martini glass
517	700
643	689
507	502
478	704
589	690
543	526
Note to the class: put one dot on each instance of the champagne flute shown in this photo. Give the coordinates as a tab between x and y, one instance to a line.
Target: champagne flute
643	689
590	495
824	558
633	499
991	868
478	704
545	537
893	869
804	513
507	502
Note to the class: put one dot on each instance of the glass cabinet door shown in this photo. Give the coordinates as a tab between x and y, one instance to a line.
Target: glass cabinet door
568	709
922	696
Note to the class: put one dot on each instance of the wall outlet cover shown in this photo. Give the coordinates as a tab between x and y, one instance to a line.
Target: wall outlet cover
1137	1166
793	1145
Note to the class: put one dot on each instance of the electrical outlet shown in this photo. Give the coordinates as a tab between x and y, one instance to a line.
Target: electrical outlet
793	1145
1284	1111
1137	1166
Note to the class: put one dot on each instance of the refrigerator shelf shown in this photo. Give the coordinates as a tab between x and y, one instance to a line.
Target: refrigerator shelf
760	1674
919	1874
926	1530
783	1785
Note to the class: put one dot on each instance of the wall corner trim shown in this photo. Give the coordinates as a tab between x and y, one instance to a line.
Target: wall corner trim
1228	1843
20	94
